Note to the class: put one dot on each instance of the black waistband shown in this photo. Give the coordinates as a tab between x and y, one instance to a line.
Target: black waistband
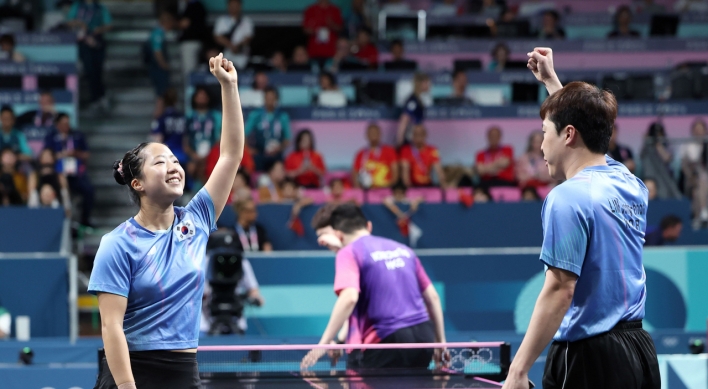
628	325
158	355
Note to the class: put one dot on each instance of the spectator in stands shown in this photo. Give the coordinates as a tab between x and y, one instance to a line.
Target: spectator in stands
92	20
365	50
530	193
72	153
305	165
36	124
270	185
278	62
399	199
248	166
328	82
268	132
260	81
481	195
491	9
48	187
419	160
7	49
300	60
694	157
355	19
234	33
648	7
495	164
656	159
193	24
375	166
336	193
621	153
322	22
669	231
11	137
252	236
413	109
13	183
159	68
459	87
623	24
241	189
169	128
531	169
500	56
343	58
691	6
333	97
398	60
650	183
203	129
549	26
5	322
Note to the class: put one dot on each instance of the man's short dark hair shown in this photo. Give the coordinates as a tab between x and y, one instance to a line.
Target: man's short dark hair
397	42
669	221
272	89
7	108
60	116
590	110
348	218
323	216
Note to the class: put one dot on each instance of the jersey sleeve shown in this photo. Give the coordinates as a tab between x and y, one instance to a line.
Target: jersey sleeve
111	269
565	229
423	279
346	271
202	207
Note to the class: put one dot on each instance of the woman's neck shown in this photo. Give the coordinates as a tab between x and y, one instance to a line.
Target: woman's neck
156	218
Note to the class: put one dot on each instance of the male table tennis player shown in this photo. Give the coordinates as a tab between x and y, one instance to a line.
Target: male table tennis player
593	232
384	292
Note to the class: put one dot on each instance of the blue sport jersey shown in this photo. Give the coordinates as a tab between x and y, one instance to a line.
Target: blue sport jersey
162	275
593	226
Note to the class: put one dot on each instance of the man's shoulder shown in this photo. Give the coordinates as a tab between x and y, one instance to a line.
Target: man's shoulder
575	190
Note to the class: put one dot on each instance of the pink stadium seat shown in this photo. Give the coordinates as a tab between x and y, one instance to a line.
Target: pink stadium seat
543	191
377	196
317	195
354	194
430	195
505	194
452	196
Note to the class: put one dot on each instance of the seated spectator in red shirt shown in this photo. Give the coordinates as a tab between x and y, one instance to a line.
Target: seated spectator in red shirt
495	165
375	166
531	169
419	160
247	163
365	50
305	165
322	23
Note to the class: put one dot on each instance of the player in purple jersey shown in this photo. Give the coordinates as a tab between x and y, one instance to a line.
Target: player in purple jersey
148	273
385	293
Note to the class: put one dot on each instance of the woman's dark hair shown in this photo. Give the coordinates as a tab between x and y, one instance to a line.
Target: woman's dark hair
130	167
194	95
656	134
299	136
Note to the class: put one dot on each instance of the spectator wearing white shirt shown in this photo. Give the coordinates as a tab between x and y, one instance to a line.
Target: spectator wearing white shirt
693	164
234	32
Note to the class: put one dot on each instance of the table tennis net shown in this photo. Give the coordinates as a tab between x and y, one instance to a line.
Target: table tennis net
490	359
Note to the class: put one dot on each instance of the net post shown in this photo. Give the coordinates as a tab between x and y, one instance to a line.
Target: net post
505	358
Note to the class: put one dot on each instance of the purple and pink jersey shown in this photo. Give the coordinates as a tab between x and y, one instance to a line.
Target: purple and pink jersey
390	281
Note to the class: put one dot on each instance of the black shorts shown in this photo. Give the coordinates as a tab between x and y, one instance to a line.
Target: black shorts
157	369
398	358
623	358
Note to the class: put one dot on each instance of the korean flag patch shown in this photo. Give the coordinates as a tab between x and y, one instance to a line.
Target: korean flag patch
184	230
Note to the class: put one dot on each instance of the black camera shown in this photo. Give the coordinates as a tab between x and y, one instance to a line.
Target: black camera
224	274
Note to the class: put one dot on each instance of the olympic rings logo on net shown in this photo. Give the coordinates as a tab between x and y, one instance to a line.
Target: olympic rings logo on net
459	359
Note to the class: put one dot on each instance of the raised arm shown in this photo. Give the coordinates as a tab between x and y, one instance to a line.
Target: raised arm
232	137
541	64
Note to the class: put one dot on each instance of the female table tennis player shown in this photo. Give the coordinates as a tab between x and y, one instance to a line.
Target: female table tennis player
148	271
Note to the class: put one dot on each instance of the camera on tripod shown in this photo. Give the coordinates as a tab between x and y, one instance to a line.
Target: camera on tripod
224	274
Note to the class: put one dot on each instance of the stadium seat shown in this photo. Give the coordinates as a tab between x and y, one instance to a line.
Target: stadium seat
354	194
377	196
505	194
251	98
332	99
317	195
430	195
543	191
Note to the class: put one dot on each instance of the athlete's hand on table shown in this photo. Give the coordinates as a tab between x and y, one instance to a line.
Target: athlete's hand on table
441	356
516	382
311	358
335	354
223	69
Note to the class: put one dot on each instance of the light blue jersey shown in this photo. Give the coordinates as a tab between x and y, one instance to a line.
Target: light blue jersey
161	274
593	226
